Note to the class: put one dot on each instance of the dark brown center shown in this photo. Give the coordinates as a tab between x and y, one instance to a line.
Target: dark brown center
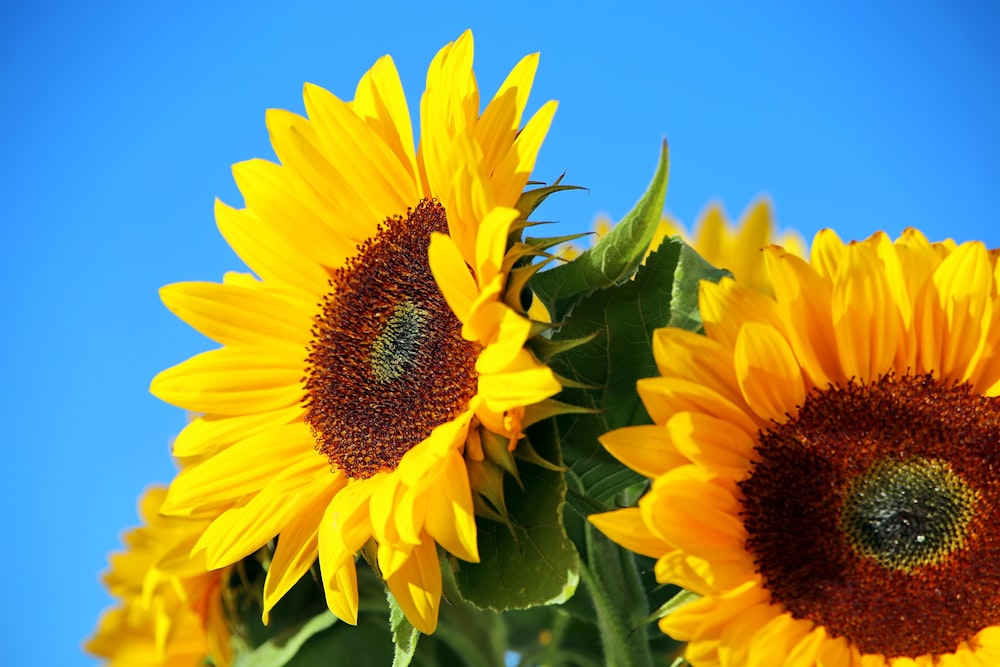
387	362
875	512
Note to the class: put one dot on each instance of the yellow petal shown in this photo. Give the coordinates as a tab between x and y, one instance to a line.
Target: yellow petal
384	499
270	255
491	245
241	530
210	433
714	532
665	396
499	123
514	331
364	161
298	547
450	519
826	253
234	380
341	588
803	299
866	318
277	197
380	101
452	275
346	524
392	557
773	642
717	445
526	384
299	149
836	652
417	587
242	469
236	315
647	449
956	313
710	616
696	358
767	372
727	304
511	176
626	527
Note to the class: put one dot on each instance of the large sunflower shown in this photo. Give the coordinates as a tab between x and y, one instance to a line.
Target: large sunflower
826	463
378	347
170	610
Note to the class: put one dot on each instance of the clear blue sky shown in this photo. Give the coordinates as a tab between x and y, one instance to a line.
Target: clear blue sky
121	121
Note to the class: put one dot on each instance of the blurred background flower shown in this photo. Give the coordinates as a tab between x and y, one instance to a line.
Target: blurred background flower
122	121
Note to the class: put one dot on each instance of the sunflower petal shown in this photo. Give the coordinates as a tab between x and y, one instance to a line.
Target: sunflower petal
450	519
416	585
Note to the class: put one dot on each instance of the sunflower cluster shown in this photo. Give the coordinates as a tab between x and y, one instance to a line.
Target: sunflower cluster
422	420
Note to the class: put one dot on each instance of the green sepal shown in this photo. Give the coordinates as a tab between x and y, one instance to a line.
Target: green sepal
532	199
486	479
624	317
546	242
496	448
404	635
526	452
550	408
613	258
682	598
546	348
530	561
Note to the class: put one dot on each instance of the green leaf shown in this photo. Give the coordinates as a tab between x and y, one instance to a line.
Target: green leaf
691	270
613	259
404	635
274	654
531	561
664	292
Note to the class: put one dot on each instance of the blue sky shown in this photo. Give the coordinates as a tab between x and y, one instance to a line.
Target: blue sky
122	120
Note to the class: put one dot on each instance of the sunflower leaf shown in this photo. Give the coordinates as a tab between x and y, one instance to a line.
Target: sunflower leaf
691	270
530	561
280	654
404	635
613	258
664	292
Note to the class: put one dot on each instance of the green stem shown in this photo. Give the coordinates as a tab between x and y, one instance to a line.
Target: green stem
613	580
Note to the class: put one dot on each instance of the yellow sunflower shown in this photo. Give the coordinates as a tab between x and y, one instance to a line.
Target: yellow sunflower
826	462
376	348
171	605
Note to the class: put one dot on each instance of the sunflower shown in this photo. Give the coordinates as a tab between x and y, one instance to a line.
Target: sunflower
825	463
171	607
377	351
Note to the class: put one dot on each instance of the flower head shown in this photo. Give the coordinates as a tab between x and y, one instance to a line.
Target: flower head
825	462
170	610
378	343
